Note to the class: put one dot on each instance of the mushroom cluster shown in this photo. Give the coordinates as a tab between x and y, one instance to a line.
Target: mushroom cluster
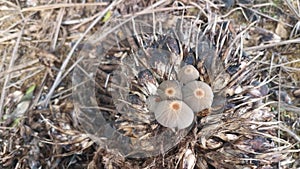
175	102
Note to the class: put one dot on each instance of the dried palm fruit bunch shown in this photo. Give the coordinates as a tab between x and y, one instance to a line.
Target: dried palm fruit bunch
142	77
134	74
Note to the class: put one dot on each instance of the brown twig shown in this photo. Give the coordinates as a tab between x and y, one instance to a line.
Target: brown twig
58	25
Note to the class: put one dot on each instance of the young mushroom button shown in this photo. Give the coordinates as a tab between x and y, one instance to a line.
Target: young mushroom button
174	114
198	95
170	89
187	73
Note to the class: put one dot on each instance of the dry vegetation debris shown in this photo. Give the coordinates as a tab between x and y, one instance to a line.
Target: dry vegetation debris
257	42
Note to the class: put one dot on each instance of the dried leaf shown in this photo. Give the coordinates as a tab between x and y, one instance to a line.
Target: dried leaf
281	30
21	109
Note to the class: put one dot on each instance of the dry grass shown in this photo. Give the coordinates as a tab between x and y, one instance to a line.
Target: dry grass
257	46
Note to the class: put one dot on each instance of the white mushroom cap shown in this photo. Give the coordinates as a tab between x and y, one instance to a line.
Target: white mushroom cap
174	114
152	102
198	95
170	89
187	73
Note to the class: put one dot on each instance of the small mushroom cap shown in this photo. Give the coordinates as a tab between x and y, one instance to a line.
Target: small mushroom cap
187	73
198	95
170	89
152	102
174	114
